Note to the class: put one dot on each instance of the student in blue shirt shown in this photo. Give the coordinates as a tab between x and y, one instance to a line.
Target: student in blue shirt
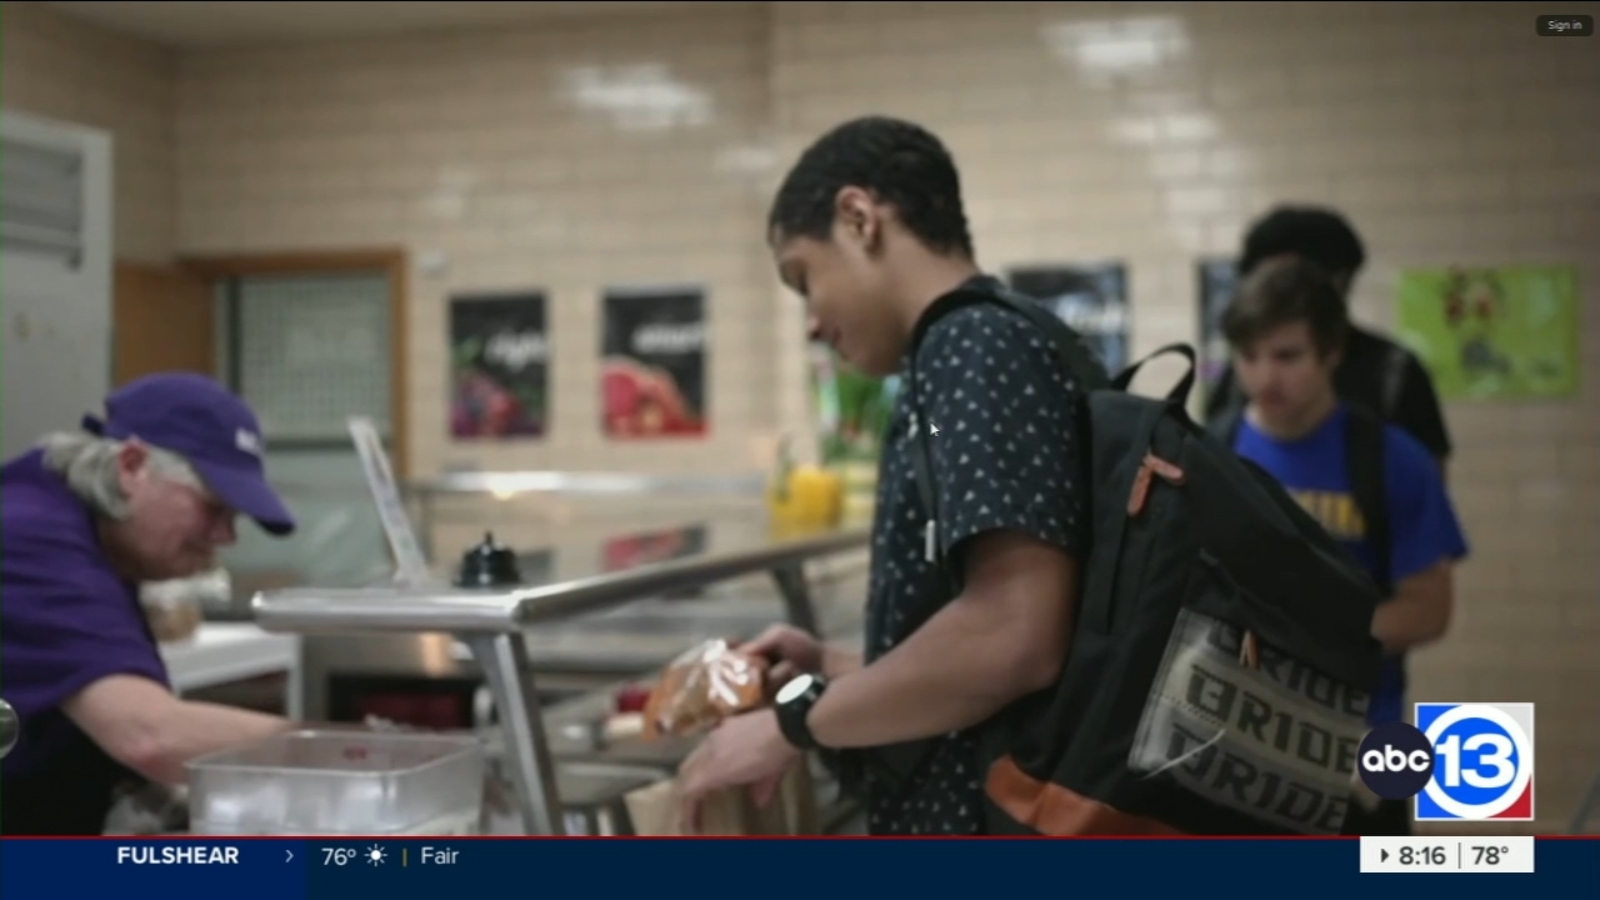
1287	328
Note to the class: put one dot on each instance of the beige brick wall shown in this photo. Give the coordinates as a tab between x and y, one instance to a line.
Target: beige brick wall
1449	133
564	158
1148	132
59	68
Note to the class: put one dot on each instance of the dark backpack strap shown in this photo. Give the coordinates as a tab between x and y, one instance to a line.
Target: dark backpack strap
1068	343
1391	382
922	470
1224	394
1225	425
1179	394
1364	462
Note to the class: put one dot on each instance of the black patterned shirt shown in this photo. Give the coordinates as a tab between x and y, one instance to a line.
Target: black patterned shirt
1006	458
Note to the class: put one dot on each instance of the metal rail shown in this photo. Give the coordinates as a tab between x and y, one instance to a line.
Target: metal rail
549	482
424	609
490	622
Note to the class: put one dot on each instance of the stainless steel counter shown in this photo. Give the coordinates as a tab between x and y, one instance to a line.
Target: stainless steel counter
574	653
736	547
495	624
630	484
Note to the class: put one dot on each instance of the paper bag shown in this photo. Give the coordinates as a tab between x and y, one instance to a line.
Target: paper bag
654	810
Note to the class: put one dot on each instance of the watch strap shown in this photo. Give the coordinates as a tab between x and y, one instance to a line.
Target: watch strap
793	715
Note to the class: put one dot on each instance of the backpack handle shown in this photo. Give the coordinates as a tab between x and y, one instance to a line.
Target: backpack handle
1180	393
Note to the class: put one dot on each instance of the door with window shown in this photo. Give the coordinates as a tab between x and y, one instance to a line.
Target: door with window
307	351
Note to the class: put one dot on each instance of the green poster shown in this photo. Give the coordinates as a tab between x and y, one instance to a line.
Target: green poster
1502	333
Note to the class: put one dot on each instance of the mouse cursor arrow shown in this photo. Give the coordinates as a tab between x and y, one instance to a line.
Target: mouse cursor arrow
933	429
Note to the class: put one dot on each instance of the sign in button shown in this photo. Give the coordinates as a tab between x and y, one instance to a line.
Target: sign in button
1565	26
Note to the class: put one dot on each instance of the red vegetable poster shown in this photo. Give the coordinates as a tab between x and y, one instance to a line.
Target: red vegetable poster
499	366
653	367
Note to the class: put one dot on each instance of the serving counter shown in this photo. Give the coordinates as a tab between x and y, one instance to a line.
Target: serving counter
614	612
219	653
432	679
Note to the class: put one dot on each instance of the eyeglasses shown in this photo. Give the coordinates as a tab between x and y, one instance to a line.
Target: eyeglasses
210	504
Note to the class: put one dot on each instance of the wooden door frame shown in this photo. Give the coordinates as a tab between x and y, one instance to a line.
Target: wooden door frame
132	282
392	261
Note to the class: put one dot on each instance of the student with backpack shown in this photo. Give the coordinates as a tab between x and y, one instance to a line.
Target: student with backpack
1373	370
1372	486
1085	614
869	230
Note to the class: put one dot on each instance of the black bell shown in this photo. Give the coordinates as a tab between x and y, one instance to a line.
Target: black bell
488	565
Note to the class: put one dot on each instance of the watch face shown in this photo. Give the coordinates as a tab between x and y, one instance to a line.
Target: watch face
796	686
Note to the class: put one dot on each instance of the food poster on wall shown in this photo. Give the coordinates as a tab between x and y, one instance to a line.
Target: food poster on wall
1493	333
1219	278
499	358
1093	299
653	375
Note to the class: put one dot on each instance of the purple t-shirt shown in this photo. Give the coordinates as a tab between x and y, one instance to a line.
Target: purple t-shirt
66	620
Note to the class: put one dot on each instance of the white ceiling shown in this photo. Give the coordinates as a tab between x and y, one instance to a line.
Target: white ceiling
210	24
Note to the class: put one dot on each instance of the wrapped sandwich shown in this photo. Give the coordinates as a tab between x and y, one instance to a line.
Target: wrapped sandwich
701	688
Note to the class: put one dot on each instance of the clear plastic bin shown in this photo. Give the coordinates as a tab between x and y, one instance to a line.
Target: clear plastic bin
341	783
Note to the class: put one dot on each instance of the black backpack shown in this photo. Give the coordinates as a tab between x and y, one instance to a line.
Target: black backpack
1221	659
1364	461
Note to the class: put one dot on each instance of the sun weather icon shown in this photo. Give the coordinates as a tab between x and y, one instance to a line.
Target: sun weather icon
375	855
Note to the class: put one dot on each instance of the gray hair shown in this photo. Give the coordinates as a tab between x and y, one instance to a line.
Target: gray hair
88	463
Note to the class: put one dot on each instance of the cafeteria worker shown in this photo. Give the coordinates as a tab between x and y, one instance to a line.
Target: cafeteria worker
148	494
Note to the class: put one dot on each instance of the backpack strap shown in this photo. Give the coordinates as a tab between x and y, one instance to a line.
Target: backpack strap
1069	347
1225	426
1224	394
1364	463
1069	344
1392	381
1180	393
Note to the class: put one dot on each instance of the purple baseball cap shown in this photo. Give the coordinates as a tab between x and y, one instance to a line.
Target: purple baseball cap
202	421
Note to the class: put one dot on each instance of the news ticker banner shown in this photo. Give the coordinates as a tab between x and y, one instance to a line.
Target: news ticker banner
247	869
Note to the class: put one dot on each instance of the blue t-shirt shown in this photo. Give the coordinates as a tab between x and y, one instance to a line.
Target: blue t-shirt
1423	528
